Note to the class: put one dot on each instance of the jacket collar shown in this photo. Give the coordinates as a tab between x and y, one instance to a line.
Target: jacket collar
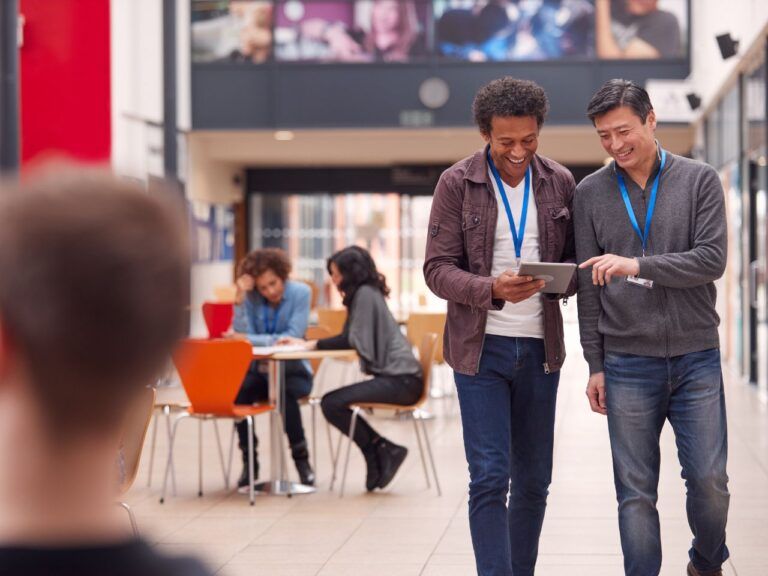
477	169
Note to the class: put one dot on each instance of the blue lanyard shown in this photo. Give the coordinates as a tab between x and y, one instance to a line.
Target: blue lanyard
517	237
651	203
270	327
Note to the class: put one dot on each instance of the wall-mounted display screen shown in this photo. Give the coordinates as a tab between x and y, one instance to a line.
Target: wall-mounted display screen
401	31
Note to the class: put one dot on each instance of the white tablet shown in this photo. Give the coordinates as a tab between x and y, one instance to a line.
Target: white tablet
556	275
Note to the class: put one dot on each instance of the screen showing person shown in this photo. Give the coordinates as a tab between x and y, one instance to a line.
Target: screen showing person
351	31
232	30
641	29
504	30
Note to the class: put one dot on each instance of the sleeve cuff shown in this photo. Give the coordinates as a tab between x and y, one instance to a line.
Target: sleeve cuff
646	267
595	364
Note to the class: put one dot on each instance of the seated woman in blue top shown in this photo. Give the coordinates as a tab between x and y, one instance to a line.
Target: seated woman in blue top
269	307
384	353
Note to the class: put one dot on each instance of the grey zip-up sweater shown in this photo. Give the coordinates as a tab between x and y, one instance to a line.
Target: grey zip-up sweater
685	254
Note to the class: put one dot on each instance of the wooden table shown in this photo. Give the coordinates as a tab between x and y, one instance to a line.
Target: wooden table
278	484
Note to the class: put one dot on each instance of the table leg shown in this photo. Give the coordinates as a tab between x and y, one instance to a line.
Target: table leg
278	483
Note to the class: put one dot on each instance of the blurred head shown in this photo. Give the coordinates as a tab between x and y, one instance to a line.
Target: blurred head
94	285
353	267
509	114
625	121
642	7
266	271
390	17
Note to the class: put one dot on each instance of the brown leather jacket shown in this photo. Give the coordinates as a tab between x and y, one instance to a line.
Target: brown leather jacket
459	258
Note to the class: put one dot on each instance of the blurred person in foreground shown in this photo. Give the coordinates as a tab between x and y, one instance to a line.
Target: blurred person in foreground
268	307
503	338
384	353
636	29
94	279
651	238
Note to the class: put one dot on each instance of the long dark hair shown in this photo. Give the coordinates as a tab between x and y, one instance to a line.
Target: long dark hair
357	268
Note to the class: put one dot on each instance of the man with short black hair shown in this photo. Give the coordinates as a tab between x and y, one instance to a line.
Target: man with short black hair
503	338
651	227
94	281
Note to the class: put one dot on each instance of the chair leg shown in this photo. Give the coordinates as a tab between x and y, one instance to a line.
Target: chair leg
131	517
251	471
421	450
167	413
431	458
355	412
313	408
152	449
200	457
231	450
169	463
221	453
336	455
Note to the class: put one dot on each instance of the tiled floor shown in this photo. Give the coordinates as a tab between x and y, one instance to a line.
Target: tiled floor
409	531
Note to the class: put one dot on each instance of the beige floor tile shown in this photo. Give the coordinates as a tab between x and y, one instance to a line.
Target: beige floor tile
269	569
371	570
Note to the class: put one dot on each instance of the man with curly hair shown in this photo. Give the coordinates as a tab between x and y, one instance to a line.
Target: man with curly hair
503	338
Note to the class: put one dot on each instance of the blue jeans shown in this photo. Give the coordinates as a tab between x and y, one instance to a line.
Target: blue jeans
641	394
508	415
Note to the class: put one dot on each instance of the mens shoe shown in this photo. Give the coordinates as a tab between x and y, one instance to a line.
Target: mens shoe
391	457
692	571
372	463
300	455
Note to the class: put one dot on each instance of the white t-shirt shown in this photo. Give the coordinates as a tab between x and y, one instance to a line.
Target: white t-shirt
526	318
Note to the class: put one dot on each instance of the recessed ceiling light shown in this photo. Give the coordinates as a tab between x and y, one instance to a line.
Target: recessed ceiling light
284	135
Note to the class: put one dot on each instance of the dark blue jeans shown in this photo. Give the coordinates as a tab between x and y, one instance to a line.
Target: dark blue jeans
508	416
641	394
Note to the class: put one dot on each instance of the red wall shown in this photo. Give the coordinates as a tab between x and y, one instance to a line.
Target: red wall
65	80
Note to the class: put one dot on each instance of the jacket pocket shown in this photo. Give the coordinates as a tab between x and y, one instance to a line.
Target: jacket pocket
473	226
557	230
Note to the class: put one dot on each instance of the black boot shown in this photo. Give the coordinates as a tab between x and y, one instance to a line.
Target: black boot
301	459
243	480
372	462
390	457
242	432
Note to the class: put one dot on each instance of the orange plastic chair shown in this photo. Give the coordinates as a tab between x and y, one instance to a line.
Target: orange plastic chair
211	372
426	358
218	317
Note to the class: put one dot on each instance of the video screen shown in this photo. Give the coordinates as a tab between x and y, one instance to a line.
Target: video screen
507	30
352	31
232	30
641	29
402	31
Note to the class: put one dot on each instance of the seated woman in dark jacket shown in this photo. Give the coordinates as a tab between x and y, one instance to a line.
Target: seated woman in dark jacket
384	353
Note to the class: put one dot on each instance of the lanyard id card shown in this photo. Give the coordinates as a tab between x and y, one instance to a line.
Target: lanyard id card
643	234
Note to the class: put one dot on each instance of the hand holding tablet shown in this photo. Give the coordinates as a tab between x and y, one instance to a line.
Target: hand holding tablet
557	276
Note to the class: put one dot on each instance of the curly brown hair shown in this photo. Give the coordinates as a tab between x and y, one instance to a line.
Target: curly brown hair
260	261
506	97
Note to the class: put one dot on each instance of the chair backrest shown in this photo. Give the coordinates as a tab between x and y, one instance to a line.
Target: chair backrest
225	293
316	333
211	372
421	323
315	292
218	317
427	358
134	430
332	318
